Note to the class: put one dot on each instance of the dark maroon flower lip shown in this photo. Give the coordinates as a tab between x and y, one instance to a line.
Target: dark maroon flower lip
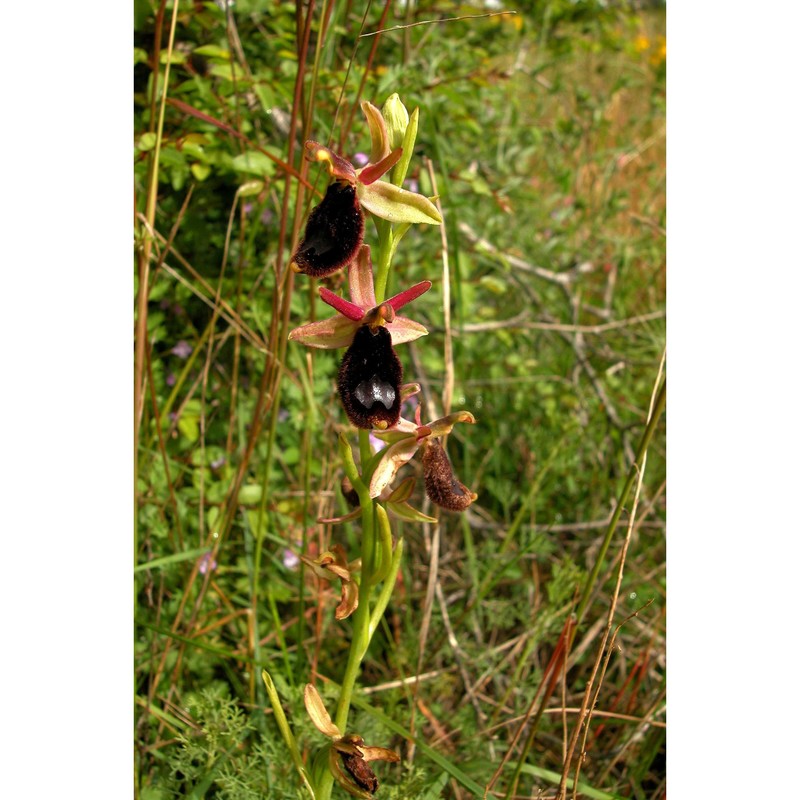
334	233
361	772
369	380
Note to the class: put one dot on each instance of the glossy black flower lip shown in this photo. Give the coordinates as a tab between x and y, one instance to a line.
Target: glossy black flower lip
369	379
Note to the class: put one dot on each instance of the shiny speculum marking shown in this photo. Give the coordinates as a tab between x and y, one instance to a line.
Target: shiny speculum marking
374	391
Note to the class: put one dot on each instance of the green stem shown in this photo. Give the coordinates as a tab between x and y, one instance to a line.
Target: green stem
385	253
388	588
361	617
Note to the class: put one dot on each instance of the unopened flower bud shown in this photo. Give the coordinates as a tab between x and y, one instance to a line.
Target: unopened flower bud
396	116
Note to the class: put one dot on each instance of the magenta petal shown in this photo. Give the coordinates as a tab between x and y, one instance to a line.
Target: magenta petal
372	172
344	307
403	298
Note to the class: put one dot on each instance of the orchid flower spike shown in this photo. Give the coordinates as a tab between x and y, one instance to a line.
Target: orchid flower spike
335	228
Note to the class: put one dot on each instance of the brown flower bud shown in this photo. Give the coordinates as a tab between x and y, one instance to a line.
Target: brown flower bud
334	233
370	378
441	486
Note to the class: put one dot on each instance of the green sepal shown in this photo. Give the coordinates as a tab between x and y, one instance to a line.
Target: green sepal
394	204
405	512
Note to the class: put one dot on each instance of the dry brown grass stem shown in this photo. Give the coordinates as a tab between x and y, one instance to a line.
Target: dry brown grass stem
367	67
436	22
561	278
655	709
459	656
431	533
145	253
521	321
545	687
434	586
385	687
215	313
221	308
270	379
571	333
450	378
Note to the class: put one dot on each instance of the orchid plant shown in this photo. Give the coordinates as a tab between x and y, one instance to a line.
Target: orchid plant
372	392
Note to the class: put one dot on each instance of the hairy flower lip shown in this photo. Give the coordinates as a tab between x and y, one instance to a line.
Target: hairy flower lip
333	234
441	485
335	227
